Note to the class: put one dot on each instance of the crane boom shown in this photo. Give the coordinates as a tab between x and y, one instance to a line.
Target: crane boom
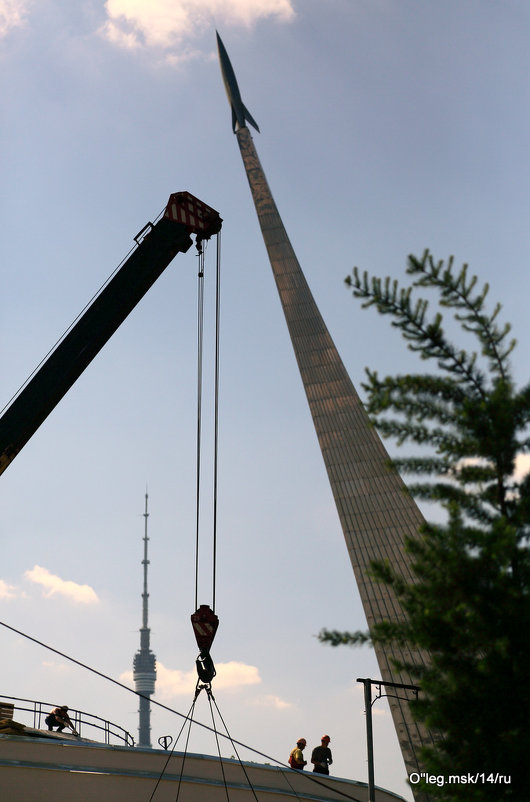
184	215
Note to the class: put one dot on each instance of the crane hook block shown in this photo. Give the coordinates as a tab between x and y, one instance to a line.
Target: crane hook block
204	623
205	667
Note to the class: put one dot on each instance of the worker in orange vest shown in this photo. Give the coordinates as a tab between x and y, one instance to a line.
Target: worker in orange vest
296	758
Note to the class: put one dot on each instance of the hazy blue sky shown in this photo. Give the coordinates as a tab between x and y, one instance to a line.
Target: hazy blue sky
386	127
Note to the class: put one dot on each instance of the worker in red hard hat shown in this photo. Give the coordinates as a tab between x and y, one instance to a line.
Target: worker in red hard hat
296	758
321	756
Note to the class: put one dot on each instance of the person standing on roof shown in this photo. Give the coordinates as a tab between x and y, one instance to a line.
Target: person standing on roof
321	756
296	758
59	718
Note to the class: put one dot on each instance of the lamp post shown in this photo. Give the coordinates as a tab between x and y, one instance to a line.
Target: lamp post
368	702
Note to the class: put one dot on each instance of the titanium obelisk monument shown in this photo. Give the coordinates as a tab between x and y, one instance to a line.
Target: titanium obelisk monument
374	507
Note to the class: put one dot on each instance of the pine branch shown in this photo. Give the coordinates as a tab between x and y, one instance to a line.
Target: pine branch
335	638
427	465
477	507
457	293
443	441
468	604
415	396
427	338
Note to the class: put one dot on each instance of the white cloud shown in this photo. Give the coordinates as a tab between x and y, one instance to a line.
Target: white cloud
273	701
117	36
234	674
522	466
166	23
173	682
12	15
53	585
7	591
58	668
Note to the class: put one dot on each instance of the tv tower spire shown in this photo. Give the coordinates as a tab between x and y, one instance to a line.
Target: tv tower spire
144	665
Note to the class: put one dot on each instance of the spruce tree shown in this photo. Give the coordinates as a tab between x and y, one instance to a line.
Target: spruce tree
469	606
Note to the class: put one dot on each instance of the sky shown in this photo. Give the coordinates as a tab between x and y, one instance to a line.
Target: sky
386	128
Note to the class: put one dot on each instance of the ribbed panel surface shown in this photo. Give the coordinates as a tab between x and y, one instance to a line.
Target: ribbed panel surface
375	510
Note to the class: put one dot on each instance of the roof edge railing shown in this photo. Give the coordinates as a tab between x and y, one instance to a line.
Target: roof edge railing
79	718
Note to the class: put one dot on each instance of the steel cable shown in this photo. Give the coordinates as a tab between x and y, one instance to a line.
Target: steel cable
200	338
280	763
216	411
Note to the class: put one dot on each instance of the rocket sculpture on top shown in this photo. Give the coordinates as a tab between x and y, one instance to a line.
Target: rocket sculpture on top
374	508
240	113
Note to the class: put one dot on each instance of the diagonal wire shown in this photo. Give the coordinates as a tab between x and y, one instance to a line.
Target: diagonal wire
162	706
72	324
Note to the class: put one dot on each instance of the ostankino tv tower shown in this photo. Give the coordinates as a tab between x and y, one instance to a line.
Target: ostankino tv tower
144	661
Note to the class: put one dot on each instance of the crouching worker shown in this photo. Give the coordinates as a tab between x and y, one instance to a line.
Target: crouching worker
321	756
296	758
59	718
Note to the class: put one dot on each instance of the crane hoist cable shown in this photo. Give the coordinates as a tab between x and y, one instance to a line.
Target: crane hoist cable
216	409
200	350
204	619
200	346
